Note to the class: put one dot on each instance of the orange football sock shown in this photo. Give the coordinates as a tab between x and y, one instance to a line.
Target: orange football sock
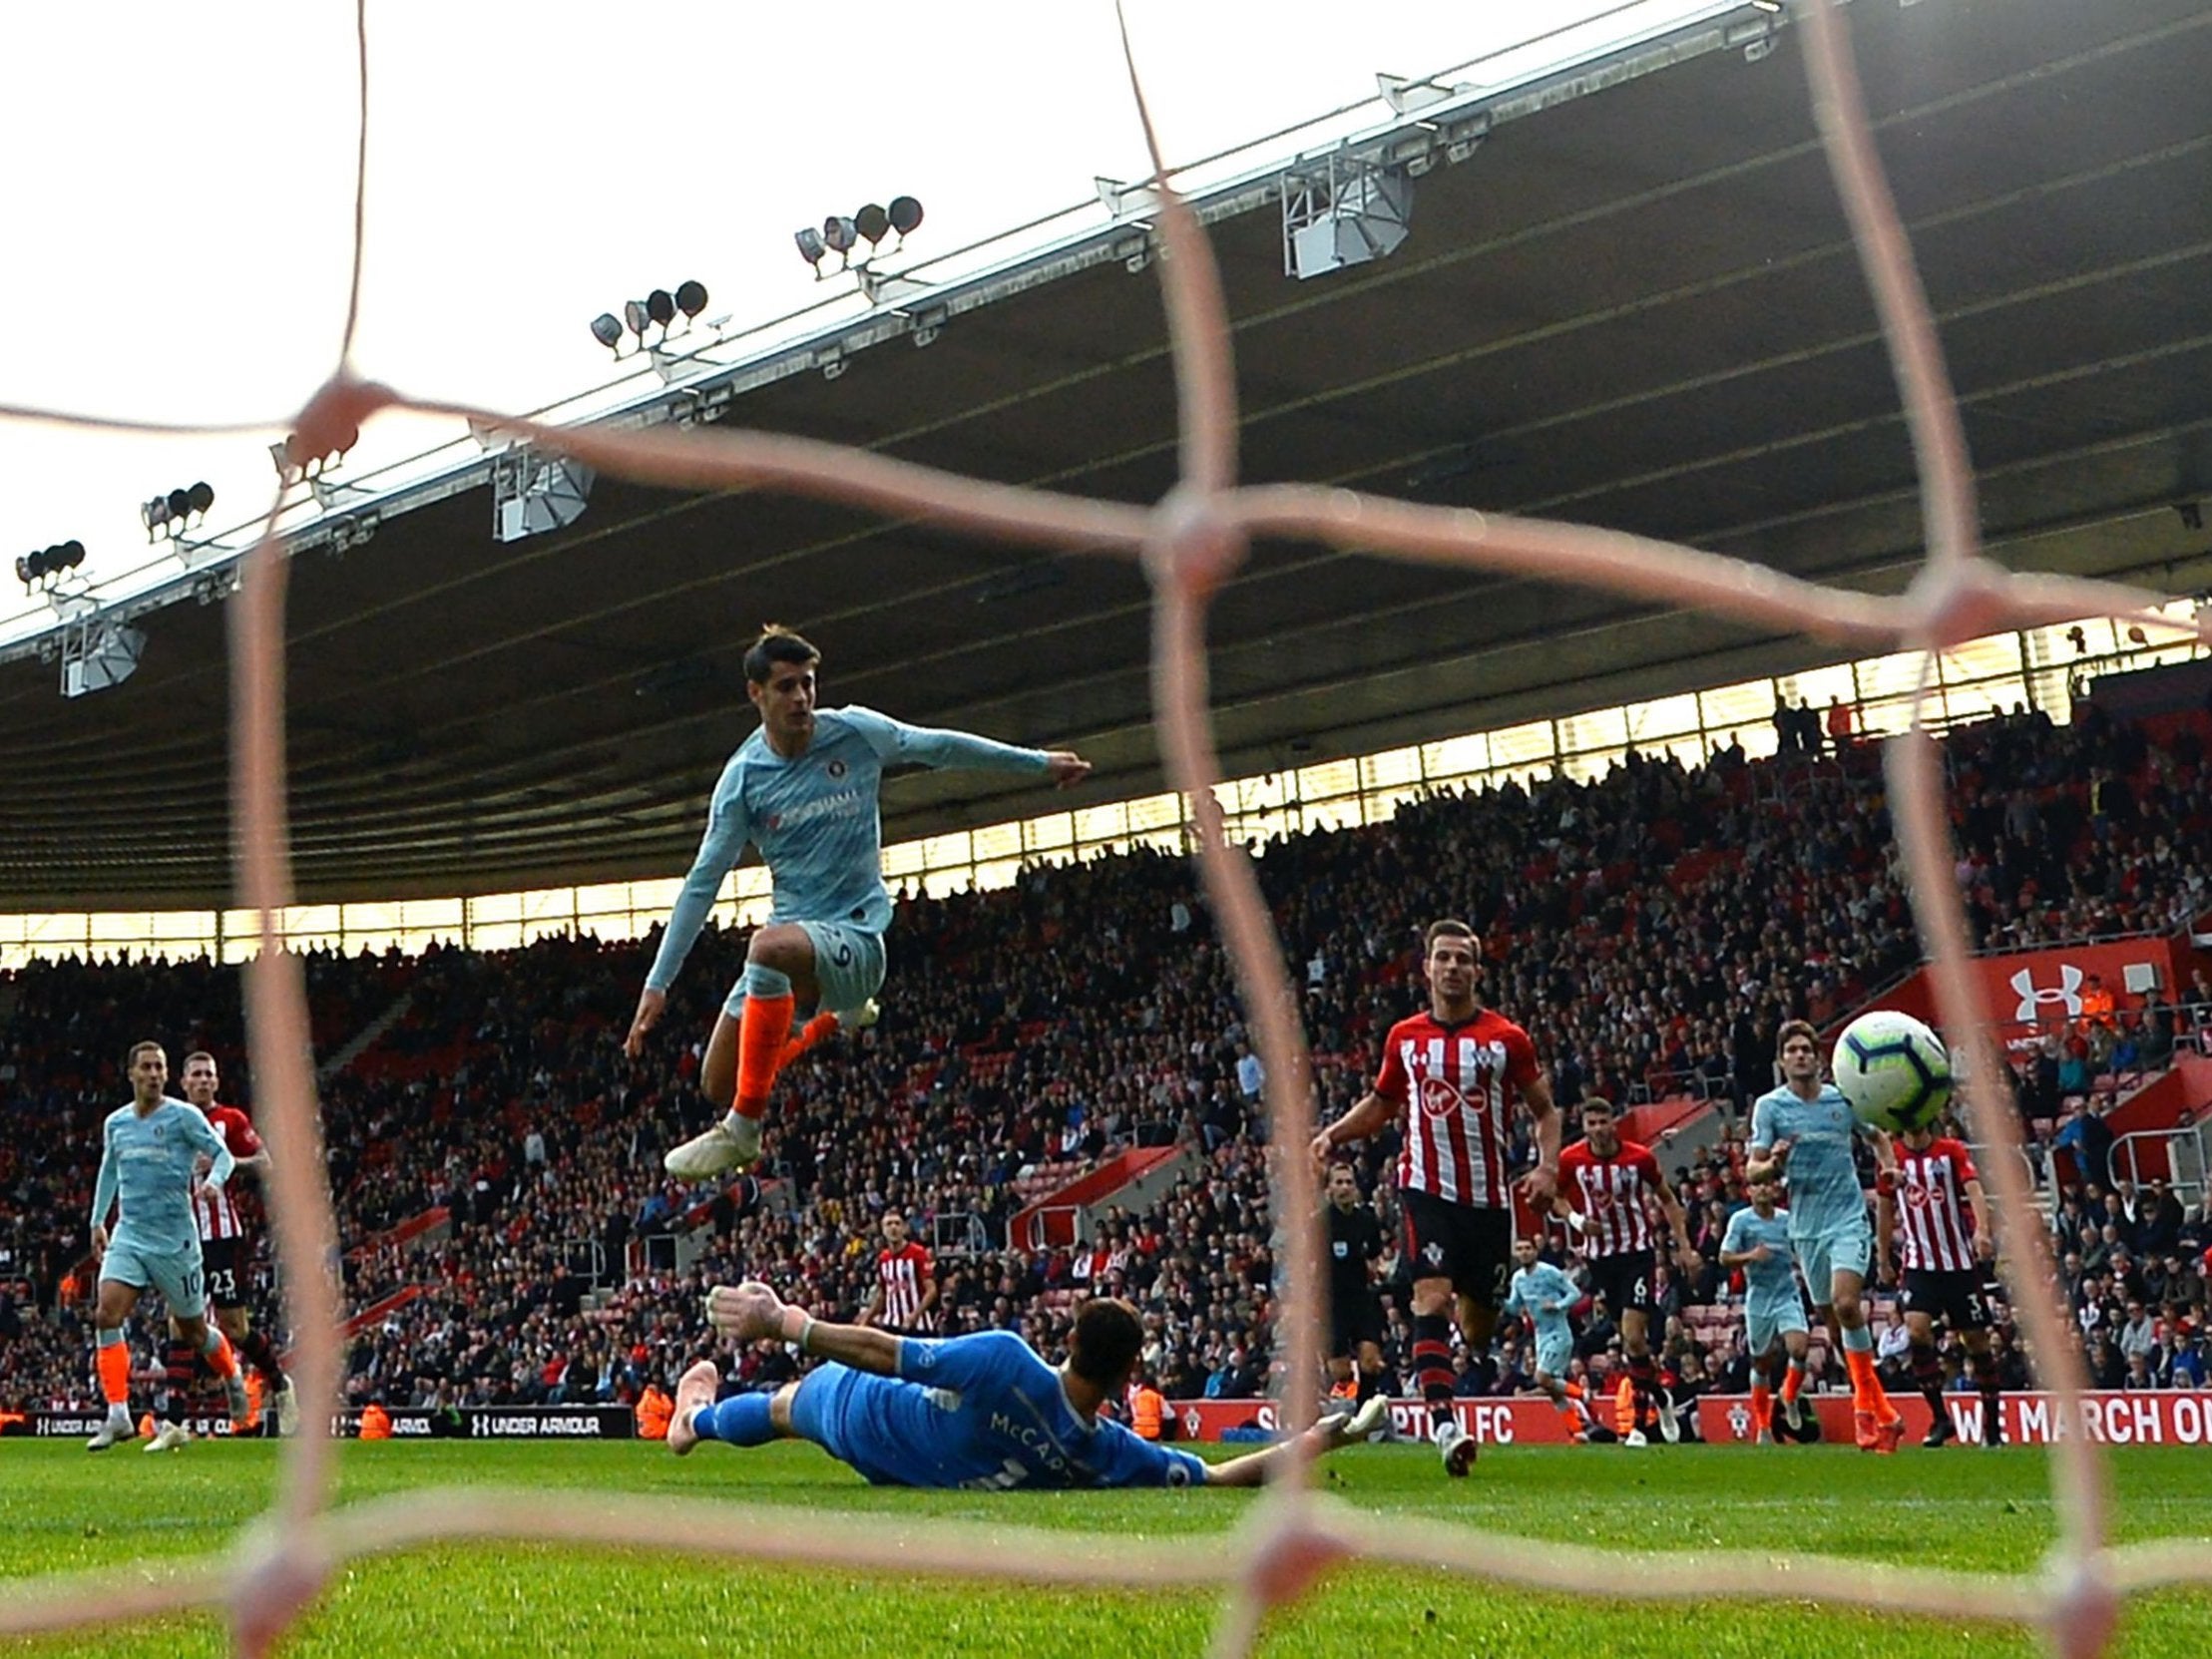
115	1373
760	1039
1625	1406
1793	1380
1762	1409
221	1358
821	1025
1573	1389
1865	1388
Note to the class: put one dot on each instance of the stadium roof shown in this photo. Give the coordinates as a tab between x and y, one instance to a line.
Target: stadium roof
1634	304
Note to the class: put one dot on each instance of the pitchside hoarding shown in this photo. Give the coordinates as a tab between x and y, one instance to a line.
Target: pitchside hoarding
2166	1417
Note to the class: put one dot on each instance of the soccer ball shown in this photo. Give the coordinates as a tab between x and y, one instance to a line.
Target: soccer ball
1894	1070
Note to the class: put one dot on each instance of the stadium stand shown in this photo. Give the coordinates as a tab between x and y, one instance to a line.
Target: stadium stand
509	1236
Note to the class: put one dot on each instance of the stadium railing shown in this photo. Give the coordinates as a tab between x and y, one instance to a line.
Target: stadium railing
2177	1155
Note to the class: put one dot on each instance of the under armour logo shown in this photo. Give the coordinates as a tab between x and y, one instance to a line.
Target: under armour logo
1433	1253
2068	992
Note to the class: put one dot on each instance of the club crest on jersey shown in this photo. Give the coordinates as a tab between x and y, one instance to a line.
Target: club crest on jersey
1439	1098
160	1134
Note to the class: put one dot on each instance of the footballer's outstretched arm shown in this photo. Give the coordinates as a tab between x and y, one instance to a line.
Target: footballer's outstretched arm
751	1312
1331	1433
1371	1114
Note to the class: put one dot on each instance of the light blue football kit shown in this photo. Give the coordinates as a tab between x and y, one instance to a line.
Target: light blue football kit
1533	1289
1772	1303
981	1412
146	1163
1828	1208
817	821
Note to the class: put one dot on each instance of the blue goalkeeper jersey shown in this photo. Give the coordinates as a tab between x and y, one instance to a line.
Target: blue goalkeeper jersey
1825	1194
817	821
147	1163
1533	1287
981	1412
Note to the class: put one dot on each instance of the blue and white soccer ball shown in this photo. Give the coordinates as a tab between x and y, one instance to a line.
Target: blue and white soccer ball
1894	1070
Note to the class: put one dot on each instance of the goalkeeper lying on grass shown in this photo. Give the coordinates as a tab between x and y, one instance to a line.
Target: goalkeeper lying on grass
981	1412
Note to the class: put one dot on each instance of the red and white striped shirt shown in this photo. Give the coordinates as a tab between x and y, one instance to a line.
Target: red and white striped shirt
1932	1214
903	1274
1614	1195
1458	1085
217	1214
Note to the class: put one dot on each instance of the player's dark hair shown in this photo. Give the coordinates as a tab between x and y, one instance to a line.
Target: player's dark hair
1598	1103
1347	1166
1449	926
777	644
1106	1342
199	1054
138	1049
1796	1027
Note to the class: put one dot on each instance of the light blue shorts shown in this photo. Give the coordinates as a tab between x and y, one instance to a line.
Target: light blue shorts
848	968
176	1274
1554	1353
1846	1249
1766	1323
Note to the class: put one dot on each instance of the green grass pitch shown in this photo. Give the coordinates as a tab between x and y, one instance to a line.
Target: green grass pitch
1964	1507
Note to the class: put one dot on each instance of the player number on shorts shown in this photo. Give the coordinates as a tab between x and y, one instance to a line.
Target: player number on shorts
1639	1293
194	1288
842	956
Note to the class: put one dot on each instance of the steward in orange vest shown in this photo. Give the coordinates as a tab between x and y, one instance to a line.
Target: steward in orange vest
654	1410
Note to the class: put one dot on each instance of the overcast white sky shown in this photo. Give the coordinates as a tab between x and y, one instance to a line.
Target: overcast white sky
177	182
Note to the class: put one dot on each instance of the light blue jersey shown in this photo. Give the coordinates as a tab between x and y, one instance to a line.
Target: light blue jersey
1773	1282
1772	1303
1541	1295
817	822
1825	1195
147	1163
981	1412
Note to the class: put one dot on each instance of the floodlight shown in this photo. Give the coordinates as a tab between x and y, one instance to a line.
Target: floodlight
691	298
1766	5
607	328
840	233
636	316
905	214
812	249
293	463
661	307
872	222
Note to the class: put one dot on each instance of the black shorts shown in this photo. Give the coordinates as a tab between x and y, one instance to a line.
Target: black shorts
1470	1247
225	1260
1959	1296
1355	1315
1625	1281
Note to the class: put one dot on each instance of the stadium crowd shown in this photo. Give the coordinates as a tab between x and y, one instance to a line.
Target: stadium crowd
1651	929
